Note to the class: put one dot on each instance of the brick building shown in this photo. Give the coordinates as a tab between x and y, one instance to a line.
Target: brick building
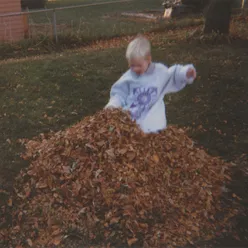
12	27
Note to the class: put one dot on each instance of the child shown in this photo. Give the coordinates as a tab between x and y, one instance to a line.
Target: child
141	89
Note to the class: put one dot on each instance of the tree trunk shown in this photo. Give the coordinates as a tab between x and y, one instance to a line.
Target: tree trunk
218	16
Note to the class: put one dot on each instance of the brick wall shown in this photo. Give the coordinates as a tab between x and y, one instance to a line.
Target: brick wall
11	28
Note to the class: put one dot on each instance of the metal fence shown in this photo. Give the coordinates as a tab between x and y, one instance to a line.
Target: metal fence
87	21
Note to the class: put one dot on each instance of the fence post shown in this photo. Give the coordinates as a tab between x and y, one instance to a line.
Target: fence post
55	26
242	7
26	23
243	4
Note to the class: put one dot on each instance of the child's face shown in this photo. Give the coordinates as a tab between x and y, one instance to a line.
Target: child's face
139	66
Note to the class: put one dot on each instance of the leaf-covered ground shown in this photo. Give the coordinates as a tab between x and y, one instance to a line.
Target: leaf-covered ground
117	186
54	91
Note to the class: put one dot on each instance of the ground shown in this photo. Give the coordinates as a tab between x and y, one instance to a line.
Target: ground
79	26
53	91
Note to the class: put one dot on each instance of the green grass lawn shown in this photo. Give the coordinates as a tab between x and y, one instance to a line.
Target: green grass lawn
79	27
95	21
105	21
52	92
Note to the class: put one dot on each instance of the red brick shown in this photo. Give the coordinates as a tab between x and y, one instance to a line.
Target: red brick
12	27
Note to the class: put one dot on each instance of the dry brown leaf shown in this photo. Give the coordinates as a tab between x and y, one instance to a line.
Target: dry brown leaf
10	202
101	143
132	241
143	225
104	174
111	153
122	151
195	228
30	243
114	220
56	232
131	155
57	241
155	158
41	185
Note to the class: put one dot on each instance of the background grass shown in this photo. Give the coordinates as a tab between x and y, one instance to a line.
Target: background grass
91	21
52	92
77	27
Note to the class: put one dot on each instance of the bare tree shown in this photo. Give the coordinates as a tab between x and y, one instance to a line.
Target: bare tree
218	16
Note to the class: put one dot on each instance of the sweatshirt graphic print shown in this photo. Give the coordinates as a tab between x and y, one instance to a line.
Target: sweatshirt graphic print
143	95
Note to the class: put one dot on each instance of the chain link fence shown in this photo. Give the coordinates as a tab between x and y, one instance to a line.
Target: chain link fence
84	20
88	20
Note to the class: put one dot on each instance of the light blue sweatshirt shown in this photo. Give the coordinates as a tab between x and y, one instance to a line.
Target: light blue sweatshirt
143	95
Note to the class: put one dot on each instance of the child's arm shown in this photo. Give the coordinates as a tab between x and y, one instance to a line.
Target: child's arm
118	94
180	76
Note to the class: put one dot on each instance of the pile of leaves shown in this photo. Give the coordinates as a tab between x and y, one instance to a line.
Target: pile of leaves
113	185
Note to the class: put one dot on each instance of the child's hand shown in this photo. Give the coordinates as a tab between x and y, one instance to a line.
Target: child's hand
109	107
191	73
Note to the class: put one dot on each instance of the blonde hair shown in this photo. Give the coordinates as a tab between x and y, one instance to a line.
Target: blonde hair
140	47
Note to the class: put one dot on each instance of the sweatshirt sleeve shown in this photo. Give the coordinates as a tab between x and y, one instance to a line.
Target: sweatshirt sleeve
118	93
178	79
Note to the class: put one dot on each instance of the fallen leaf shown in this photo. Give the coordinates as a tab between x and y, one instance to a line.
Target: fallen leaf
122	151
56	232
195	228
10	202
158	187
30	243
101	143
132	241
155	158
143	225
131	155
111	153
114	220
57	240
20	216
41	185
